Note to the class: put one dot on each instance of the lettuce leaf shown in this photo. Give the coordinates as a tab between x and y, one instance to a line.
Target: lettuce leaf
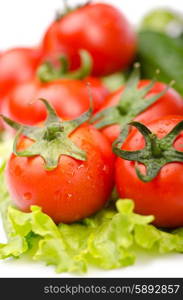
107	240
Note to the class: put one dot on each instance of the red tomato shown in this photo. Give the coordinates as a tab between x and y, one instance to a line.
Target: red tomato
17	65
53	49
163	196
100	29
70	99
72	191
170	103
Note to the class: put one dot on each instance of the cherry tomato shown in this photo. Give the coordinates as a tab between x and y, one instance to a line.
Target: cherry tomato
170	103
52	49
72	191
70	98
102	30
163	196
17	65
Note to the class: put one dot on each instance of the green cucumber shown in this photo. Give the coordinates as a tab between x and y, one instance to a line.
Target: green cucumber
157	51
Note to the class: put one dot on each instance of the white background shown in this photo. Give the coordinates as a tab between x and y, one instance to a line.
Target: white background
22	23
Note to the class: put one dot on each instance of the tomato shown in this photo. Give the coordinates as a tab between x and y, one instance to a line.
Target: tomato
170	103
163	195
100	29
70	98
74	188
17	65
52	49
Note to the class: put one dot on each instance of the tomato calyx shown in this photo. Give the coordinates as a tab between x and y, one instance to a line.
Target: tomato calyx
156	153
68	9
131	104
52	140
48	72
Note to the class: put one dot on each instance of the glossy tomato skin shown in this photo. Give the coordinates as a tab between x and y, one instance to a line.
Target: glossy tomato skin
70	98
72	191
163	196
170	103
100	29
52	49
17	65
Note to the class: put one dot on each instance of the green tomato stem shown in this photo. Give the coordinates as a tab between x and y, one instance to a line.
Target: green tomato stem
52	140
47	72
156	153
133	101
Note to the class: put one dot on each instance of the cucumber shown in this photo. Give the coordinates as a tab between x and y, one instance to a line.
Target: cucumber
157	51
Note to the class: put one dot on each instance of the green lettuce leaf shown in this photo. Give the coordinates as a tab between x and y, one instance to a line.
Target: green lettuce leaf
107	240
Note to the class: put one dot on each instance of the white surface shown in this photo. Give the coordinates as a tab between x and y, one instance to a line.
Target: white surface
160	266
22	23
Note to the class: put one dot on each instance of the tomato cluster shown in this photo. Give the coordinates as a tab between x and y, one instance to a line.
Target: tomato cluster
63	159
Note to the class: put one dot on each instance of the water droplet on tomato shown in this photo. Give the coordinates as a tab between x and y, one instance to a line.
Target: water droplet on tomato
81	166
